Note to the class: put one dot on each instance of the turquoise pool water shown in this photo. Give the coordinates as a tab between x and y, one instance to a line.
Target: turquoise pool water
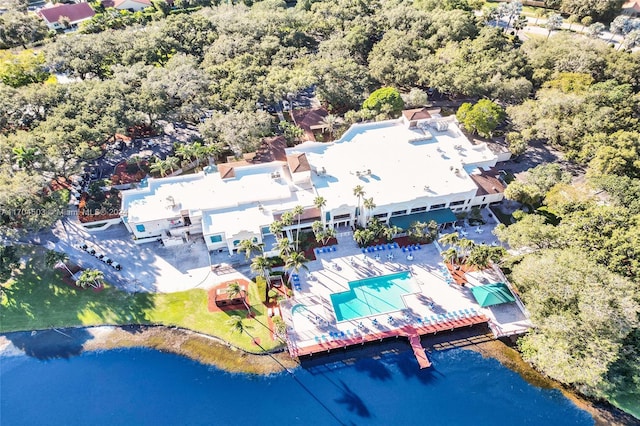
372	296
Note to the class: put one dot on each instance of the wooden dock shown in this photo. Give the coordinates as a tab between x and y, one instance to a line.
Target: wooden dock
419	351
407	330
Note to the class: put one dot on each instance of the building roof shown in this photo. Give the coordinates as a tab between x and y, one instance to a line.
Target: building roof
307	119
74	12
416	114
395	164
632	4
271	149
487	181
298	163
117	3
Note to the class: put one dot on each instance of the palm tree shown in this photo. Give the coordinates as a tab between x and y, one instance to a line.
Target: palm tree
369	205
482	256
554	22
390	232
294	262
450	255
330	122
135	159
320	203
465	245
235	321
90	277
358	191
297	211
172	163
234	290
185	151
284	246
449	239
249	247
261	266
54	258
276	228
159	166
25	157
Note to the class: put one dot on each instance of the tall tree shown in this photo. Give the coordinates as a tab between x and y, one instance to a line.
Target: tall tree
234	289
358	191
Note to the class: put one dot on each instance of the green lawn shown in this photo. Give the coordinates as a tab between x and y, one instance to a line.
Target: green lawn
37	298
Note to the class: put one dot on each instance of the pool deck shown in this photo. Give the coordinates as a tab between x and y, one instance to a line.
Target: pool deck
439	304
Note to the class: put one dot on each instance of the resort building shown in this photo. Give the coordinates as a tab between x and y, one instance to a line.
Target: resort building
420	167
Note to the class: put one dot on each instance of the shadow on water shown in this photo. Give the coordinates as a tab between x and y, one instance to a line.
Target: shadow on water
352	401
49	344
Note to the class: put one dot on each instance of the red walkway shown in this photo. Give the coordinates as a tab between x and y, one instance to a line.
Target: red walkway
419	352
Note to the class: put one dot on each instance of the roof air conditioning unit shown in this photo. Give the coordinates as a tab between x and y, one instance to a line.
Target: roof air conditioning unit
275	175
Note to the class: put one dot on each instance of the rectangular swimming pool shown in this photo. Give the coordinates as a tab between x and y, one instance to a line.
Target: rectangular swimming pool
372	296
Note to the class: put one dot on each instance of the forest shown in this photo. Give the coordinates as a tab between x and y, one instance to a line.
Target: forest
578	232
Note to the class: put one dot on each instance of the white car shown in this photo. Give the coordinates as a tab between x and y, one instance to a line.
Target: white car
286	106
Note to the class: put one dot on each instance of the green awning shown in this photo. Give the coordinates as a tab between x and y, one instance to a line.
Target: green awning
492	294
440	216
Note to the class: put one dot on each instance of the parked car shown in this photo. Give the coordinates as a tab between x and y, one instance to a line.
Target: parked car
106	260
91	251
99	256
286	106
116	266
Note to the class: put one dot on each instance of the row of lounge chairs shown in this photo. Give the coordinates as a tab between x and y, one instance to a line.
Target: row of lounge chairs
412	247
325	249
371	249
295	278
447	317
100	256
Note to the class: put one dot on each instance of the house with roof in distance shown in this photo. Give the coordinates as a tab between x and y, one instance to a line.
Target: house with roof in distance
419	167
63	16
631	8
130	5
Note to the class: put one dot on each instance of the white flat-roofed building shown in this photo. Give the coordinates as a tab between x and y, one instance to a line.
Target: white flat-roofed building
416	167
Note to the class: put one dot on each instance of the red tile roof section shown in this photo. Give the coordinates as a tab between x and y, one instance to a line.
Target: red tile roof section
416	114
306	118
298	163
271	149
488	182
635	5
74	12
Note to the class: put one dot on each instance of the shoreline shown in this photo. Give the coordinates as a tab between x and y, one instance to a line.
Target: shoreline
603	412
207	350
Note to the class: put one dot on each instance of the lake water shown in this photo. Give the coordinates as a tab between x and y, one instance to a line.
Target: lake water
379	385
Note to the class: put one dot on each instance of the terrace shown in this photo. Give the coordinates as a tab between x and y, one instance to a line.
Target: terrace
431	300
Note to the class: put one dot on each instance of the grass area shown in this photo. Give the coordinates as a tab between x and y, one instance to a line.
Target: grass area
37	298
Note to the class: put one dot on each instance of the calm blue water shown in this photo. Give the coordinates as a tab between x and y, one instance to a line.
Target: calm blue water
372	296
378	385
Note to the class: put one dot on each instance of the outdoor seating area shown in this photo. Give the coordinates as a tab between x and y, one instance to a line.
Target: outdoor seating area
380	247
295	280
100	256
325	249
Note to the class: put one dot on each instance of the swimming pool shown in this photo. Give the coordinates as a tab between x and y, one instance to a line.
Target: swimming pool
372	296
